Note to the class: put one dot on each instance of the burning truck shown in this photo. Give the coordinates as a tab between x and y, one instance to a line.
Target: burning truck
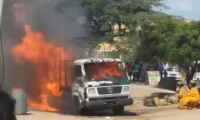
99	84
95	84
46	67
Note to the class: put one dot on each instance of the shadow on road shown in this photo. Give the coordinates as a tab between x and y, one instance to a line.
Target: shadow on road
109	113
65	106
69	109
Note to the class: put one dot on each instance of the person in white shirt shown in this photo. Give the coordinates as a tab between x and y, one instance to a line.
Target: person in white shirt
166	67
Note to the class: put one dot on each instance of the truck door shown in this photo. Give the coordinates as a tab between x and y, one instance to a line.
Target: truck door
77	80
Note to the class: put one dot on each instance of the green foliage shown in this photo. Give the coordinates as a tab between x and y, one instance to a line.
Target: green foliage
101	14
179	43
170	39
161	37
152	37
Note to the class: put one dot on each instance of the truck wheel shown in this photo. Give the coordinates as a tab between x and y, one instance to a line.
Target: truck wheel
79	109
118	110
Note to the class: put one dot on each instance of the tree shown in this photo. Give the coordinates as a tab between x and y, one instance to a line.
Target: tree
161	37
177	42
102	14
97	22
183	47
172	39
153	35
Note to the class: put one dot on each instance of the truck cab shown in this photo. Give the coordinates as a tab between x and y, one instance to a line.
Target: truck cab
99	84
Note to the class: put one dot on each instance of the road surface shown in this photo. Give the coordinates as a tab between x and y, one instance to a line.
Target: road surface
134	112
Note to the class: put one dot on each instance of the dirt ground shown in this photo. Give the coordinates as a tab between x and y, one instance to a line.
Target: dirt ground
134	112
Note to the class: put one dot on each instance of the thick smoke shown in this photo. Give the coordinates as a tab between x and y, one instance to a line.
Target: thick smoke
59	20
56	18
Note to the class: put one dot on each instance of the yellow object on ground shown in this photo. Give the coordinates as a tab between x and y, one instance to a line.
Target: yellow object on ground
160	102
191	96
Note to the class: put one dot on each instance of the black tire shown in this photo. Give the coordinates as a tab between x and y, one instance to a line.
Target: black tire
78	109
119	110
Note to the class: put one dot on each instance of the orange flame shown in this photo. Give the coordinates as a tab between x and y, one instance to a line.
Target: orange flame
43	55
43	105
99	70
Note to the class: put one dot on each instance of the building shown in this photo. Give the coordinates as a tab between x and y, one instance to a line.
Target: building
104	49
188	20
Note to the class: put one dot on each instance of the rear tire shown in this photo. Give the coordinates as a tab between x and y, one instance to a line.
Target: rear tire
119	110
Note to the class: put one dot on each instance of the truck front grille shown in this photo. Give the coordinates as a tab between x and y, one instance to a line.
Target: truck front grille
109	90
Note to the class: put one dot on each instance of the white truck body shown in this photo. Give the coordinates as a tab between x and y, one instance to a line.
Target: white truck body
106	93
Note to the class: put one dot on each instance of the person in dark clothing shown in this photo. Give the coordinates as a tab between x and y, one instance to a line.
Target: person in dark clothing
165	73
156	67
7	106
161	70
142	73
130	69
136	69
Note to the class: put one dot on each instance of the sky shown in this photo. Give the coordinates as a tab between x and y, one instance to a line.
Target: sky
189	9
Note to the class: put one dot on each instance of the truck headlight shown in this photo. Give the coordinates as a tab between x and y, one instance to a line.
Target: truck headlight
126	89
91	91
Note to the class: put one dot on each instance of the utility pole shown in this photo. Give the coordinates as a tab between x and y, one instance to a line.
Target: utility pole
1	8
1	41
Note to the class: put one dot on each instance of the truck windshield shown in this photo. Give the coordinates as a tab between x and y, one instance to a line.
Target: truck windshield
106	71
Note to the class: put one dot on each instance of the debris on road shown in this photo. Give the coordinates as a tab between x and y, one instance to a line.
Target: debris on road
160	99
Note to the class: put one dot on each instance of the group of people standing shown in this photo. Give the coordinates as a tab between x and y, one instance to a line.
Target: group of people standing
137	70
